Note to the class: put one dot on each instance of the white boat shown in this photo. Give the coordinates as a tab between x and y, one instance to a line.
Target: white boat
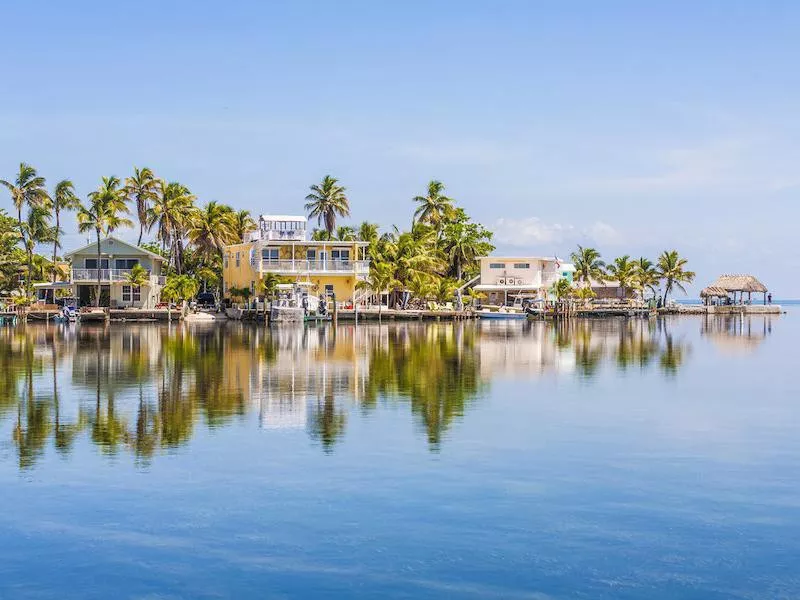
501	314
293	304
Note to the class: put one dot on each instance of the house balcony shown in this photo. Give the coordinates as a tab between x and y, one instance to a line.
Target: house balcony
315	267
110	276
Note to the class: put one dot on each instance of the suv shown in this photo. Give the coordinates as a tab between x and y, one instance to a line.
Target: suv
206	300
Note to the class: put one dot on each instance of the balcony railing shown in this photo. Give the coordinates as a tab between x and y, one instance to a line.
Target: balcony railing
111	276
360	267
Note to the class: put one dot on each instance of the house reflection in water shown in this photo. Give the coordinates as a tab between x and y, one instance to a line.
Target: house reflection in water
146	389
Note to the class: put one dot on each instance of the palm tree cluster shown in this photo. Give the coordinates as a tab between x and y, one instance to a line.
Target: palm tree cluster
188	236
435	257
641	275
430	261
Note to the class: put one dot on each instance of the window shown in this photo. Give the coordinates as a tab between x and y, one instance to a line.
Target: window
125	263
252	287
131	293
91	263
497	265
271	254
137	294
340	254
237	259
226	261
329	289
311	254
522	265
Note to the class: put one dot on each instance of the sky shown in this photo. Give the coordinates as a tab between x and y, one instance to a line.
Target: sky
633	127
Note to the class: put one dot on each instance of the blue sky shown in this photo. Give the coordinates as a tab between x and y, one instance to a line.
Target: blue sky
631	126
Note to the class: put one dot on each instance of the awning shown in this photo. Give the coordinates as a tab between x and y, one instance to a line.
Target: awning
508	288
58	285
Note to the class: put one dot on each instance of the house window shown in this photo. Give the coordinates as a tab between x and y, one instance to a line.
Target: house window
225	262
131	293
125	263
270	254
329	289
237	259
311	254
522	265
91	263
340	254
497	265
252	287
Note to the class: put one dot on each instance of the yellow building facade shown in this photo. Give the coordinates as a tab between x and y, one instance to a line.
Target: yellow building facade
280	246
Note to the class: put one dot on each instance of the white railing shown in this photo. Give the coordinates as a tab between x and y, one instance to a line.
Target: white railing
319	266
544	280
112	275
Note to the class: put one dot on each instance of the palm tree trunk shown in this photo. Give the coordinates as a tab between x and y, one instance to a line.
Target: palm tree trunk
55	247
99	285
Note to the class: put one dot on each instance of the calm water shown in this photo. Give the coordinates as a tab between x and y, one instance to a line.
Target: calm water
605	459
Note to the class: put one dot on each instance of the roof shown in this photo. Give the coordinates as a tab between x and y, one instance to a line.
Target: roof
713	292
58	285
738	283
283	218
93	245
526	258
507	288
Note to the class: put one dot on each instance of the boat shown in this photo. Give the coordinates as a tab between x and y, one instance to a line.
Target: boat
294	304
501	314
69	314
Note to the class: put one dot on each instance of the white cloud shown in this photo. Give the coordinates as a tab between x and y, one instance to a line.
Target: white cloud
533	232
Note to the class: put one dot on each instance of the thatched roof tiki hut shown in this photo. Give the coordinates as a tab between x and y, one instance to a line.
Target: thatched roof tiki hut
727	286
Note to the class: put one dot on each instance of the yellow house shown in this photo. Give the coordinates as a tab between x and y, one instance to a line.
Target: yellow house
281	246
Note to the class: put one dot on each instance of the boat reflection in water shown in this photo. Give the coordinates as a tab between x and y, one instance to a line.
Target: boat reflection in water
145	390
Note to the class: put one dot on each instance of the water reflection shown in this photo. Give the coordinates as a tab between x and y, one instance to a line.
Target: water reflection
737	334
144	390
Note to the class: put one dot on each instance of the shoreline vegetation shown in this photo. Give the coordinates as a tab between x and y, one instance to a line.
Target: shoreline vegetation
432	259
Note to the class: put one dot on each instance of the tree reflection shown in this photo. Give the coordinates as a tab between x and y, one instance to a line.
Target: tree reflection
435	367
145	390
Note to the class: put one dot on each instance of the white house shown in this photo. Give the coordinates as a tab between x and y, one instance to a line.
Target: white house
117	259
503	278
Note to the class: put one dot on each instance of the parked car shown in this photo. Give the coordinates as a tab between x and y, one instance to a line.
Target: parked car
206	300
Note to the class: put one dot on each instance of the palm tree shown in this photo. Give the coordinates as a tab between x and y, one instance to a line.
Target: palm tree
321	235
171	214
463	242
588	265
434	208
327	201
380	278
26	190
561	289
243	225
64	198
103	216
368	232
137	277
672	270
646	275
141	189
212	228
36	229
269	284
345	233
624	272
